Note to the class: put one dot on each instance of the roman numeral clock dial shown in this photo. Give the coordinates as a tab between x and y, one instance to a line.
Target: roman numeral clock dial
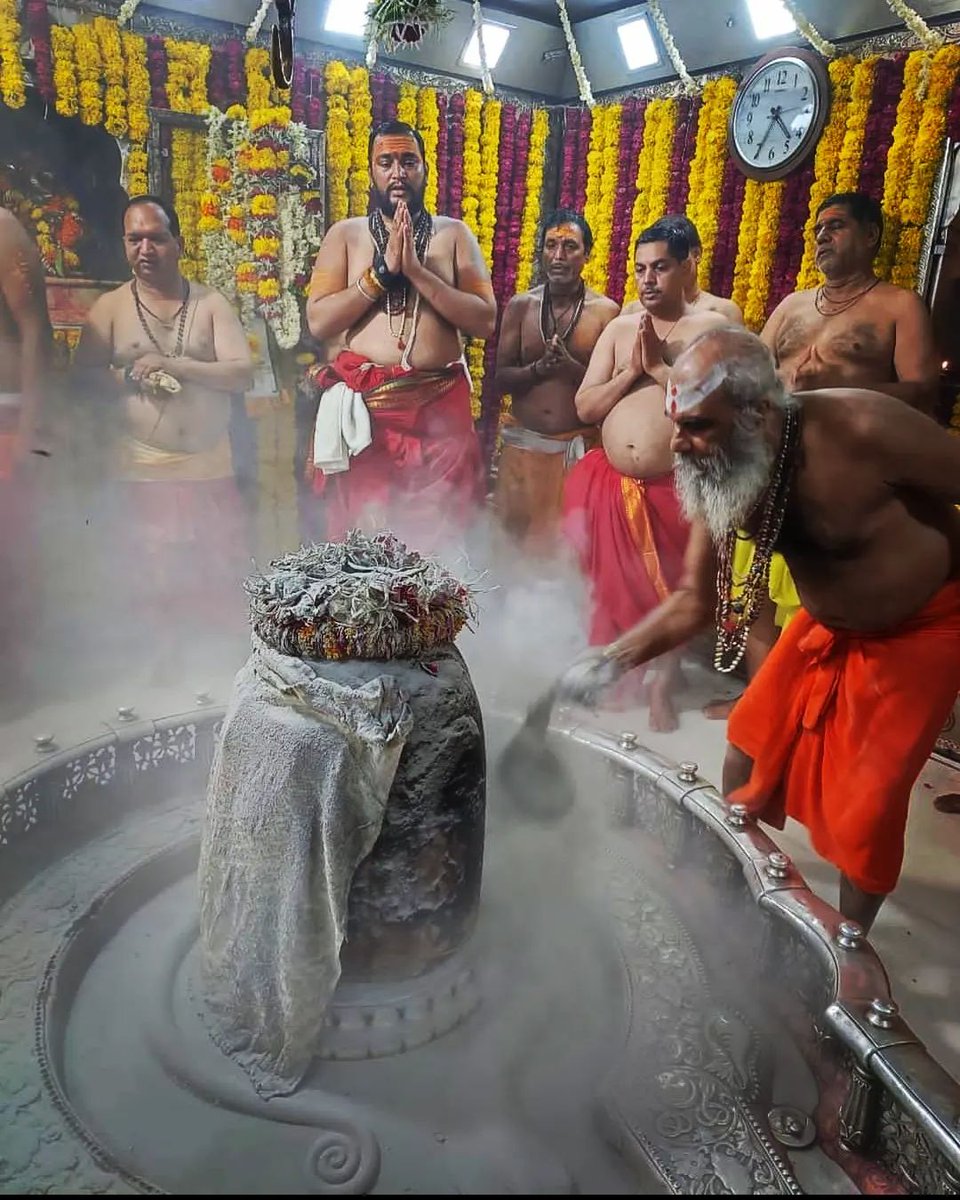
779	112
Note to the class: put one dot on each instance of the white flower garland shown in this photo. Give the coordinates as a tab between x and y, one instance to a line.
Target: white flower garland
809	30
583	83
126	11
690	85
218	249
929	38
253	29
485	76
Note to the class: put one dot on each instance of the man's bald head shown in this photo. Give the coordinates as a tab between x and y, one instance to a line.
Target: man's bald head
728	360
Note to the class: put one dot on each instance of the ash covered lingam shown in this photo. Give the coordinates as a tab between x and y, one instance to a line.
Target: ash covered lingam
343	840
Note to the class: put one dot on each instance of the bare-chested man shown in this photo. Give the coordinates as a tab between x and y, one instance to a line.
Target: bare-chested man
853	331
857	491
25	344
394	445
172	352
620	506
697	298
546	339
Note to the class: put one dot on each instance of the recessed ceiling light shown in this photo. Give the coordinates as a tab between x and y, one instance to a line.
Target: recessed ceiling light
637	42
494	39
346	16
770	18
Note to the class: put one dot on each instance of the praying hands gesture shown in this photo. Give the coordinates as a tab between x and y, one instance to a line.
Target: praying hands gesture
410	264
648	352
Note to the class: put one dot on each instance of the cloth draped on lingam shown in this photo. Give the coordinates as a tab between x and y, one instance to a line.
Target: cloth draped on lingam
345	809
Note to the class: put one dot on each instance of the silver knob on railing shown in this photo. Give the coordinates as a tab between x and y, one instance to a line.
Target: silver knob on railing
203	699
883	1013
44	743
738	816
628	741
778	865
688	772
126	712
850	935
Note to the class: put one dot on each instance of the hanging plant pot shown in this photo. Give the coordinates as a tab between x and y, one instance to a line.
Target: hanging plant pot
401	24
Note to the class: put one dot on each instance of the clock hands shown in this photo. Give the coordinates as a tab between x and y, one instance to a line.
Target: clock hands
775	119
763	140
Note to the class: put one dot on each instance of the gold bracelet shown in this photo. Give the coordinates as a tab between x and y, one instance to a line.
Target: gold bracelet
366	295
370	277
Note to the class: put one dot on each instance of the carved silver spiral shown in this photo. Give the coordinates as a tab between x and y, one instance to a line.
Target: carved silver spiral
343	1162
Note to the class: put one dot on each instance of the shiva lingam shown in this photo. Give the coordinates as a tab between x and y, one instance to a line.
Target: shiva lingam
343	844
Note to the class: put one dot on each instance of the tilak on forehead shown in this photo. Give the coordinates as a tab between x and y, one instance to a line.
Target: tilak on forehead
682	398
566	230
395	143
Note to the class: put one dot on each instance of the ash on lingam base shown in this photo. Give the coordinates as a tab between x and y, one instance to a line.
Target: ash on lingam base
345	810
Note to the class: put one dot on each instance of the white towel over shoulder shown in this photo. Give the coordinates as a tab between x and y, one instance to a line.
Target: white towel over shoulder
342	429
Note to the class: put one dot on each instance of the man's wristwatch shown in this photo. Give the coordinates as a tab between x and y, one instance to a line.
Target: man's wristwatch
386	278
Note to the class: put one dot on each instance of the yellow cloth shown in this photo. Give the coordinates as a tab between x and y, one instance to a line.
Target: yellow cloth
782	589
142	462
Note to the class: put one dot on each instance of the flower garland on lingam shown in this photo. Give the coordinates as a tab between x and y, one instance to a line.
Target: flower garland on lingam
261	215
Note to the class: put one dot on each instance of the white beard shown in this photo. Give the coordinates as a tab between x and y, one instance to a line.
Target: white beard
721	490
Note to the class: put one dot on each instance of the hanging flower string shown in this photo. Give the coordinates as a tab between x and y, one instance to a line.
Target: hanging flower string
808	30
583	83
253	29
126	11
930	39
689	84
485	77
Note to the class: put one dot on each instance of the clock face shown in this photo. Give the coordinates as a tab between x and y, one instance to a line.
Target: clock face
778	116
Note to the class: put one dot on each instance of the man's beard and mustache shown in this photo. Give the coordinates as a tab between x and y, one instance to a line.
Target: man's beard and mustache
388	203
721	489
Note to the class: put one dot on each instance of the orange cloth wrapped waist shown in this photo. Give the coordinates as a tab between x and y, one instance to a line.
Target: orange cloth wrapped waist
421	476
839	725
630	536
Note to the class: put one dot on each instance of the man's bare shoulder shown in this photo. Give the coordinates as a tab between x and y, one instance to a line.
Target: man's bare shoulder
854	415
900	299
521	301
110	301
601	304
728	309
11	231
452	225
692	324
347	230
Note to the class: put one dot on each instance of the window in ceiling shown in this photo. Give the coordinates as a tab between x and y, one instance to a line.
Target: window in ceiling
346	16
494	39
770	18
637	43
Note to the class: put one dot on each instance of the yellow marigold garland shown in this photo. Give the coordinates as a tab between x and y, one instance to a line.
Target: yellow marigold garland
707	173
137	172
339	149
186	176
473	106
13	81
598	136
89	73
114	77
653	177
257	65
361	122
527	249
826	163
761	274
899	160
428	122
407	104
851	152
927	151
595	274
188	64
63	47
486	209
138	86
747	240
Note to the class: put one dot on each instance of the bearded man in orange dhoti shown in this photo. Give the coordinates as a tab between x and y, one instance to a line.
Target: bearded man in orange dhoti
394	444
857	491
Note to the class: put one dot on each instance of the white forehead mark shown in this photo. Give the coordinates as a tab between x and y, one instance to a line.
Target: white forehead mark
684	398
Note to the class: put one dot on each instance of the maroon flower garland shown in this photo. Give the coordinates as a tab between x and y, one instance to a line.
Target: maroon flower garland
684	144
36	20
157	69
583	153
455	156
391	98
441	166
731	209
377	87
568	170
881	120
793	217
298	92
631	140
316	116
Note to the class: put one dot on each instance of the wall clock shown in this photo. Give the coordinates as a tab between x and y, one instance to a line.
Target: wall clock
779	112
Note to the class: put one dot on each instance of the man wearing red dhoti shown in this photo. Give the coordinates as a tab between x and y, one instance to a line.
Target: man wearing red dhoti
857	491
25	345
173	352
620	508
394	445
